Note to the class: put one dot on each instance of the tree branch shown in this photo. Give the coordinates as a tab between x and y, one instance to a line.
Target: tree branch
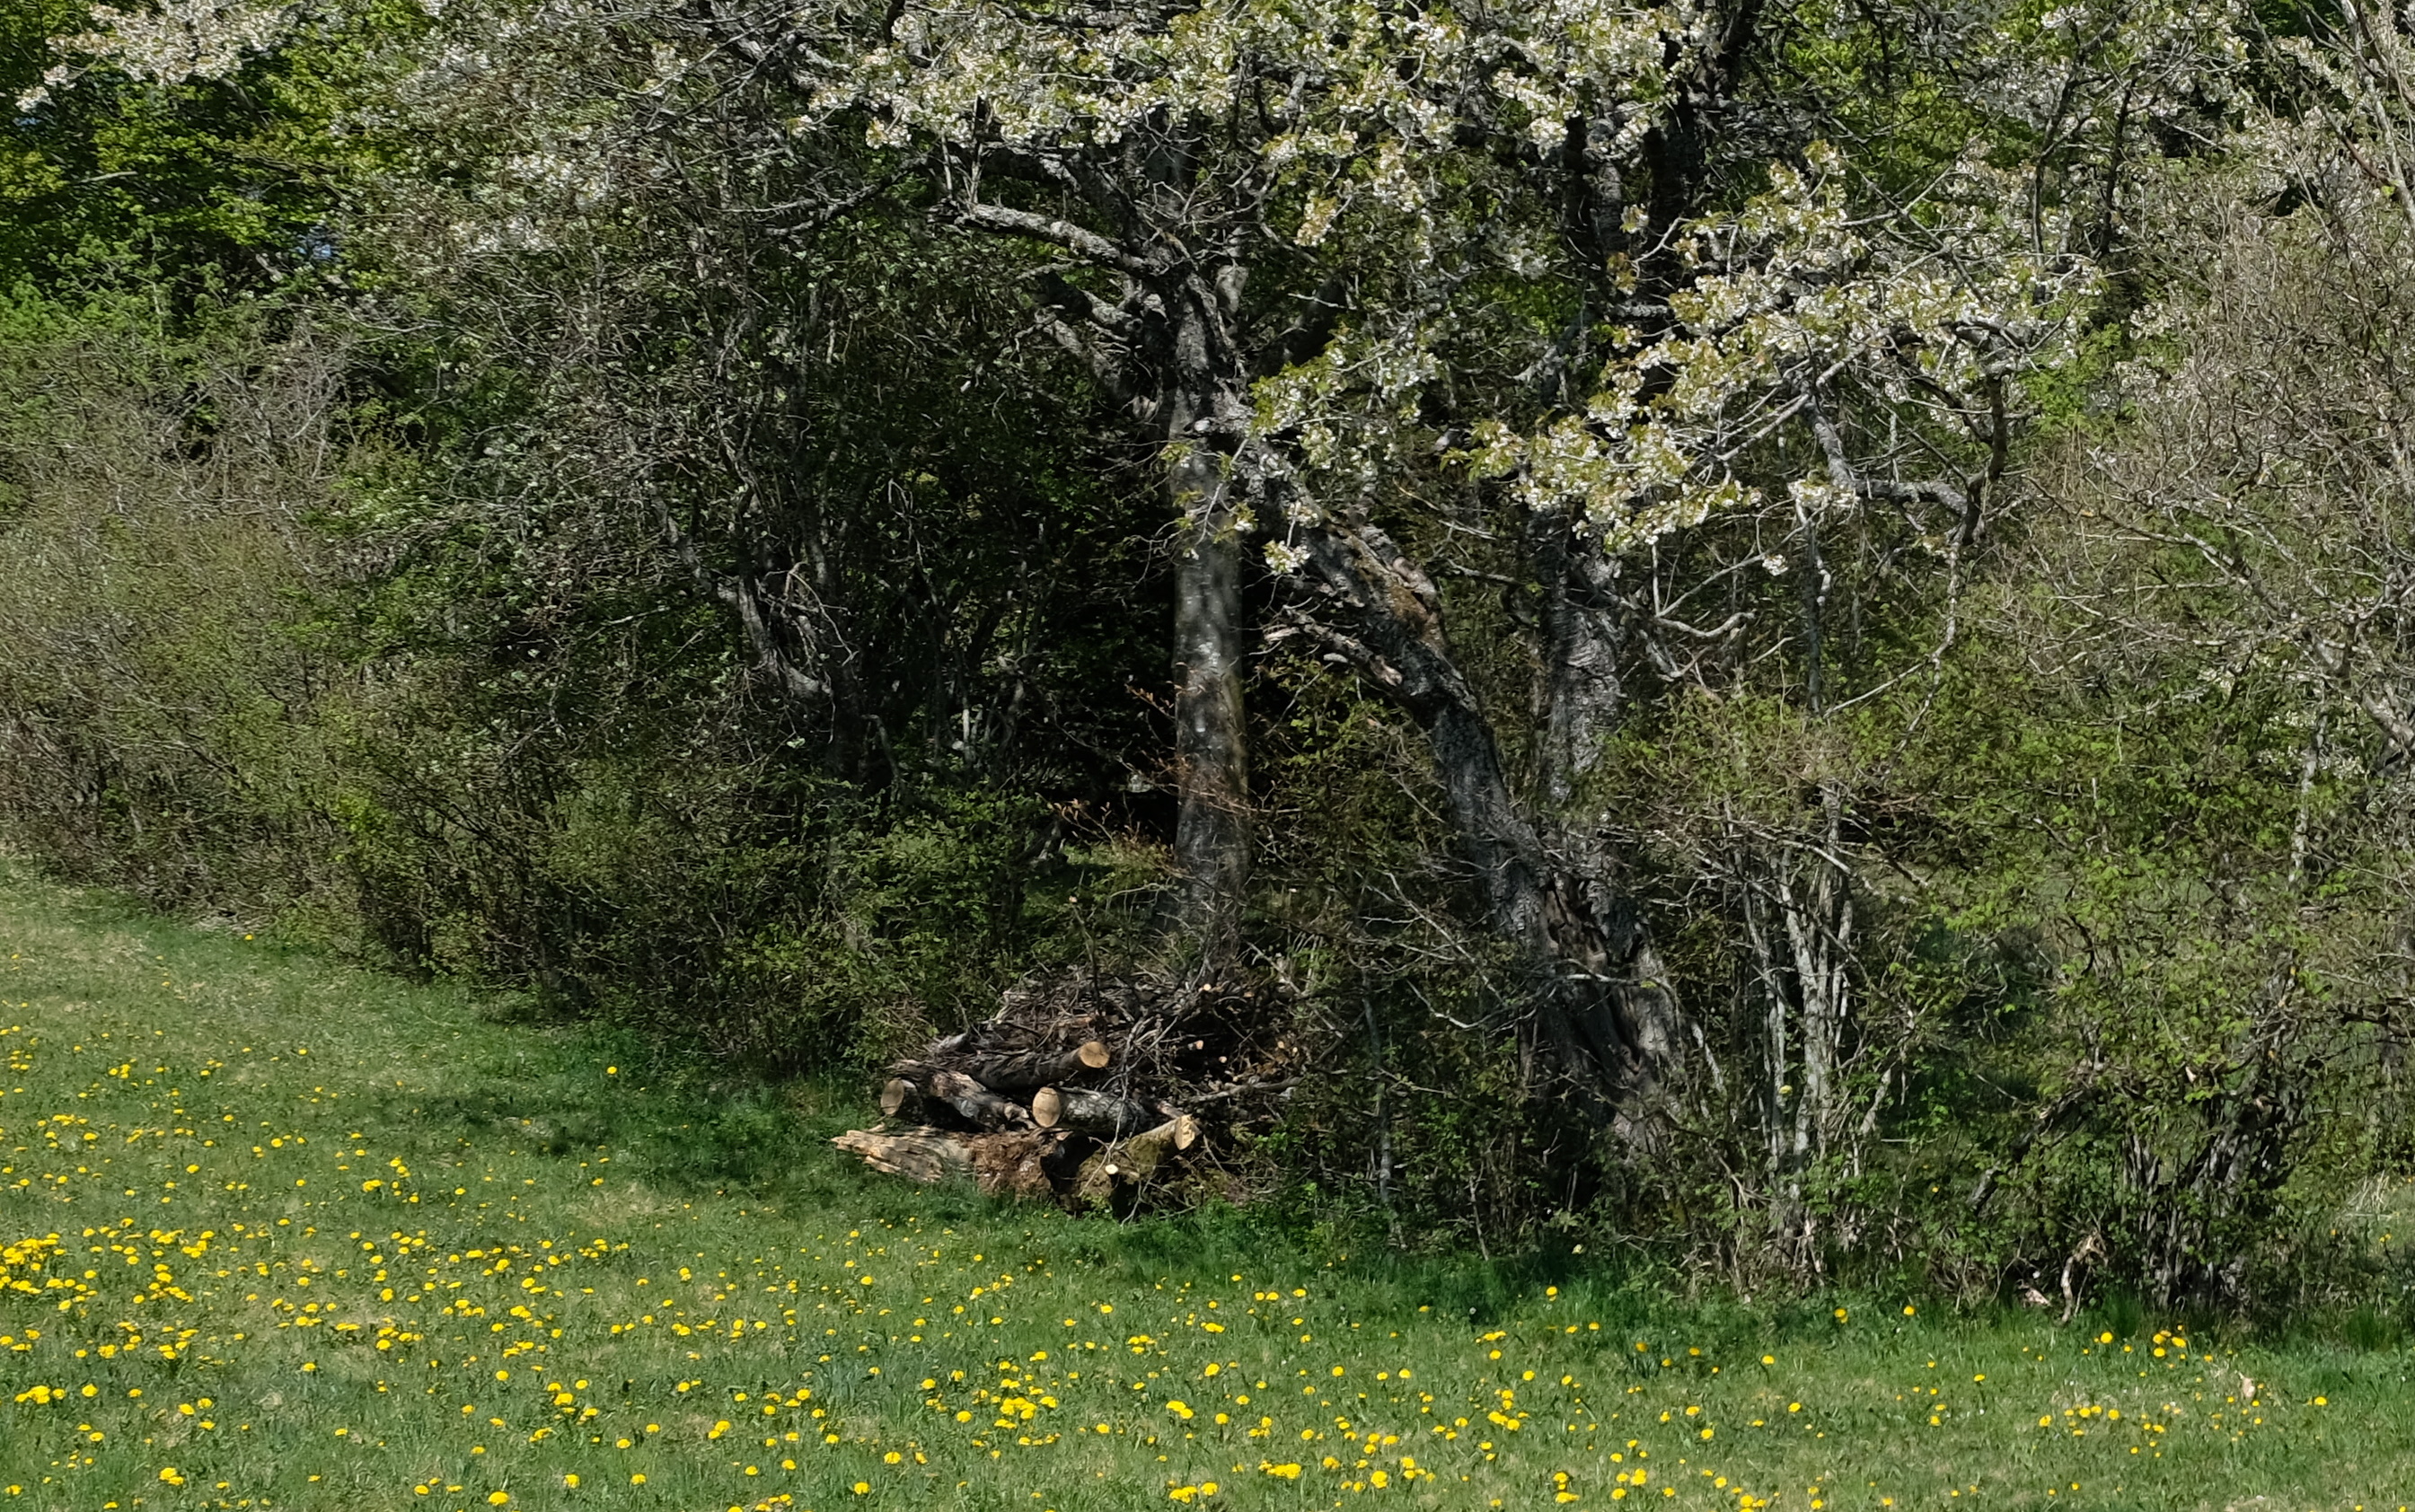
1078	240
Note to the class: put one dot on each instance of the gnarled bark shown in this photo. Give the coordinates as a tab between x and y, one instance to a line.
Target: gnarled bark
1211	841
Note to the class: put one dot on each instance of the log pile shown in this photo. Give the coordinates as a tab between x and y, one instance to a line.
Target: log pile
1078	1091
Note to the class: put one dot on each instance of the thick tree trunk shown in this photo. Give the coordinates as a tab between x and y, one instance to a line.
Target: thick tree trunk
1211	739
1582	691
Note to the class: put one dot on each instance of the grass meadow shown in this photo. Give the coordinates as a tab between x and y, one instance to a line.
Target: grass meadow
282	1234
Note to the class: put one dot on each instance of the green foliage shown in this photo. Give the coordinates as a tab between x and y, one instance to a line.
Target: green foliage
163	713
582	507
839	930
197	190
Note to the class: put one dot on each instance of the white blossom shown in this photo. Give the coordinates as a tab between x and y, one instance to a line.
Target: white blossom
167	41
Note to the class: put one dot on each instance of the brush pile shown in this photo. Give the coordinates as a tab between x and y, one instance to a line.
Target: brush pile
1081	1090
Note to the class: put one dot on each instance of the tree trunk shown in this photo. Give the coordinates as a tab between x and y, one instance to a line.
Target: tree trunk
1605	1015
1210	742
1167	351
1797	915
1582	691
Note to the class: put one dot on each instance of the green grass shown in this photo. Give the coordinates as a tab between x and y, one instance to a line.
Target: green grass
283	1235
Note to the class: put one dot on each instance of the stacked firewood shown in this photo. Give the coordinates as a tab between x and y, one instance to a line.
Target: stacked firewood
1075	1092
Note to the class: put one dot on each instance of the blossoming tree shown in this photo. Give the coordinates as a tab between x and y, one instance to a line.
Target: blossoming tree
1341	260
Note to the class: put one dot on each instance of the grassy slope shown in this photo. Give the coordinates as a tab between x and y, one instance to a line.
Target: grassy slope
327	1240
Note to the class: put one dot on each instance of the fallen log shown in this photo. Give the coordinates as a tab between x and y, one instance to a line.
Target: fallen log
930	1155
971	1101
1132	1162
1084	1112
1025	1070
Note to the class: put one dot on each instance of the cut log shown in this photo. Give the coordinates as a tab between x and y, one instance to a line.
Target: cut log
978	1105
930	1155
1134	1160
901	1099
1143	1150
1030	1068
971	1101
1066	1089
1084	1112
